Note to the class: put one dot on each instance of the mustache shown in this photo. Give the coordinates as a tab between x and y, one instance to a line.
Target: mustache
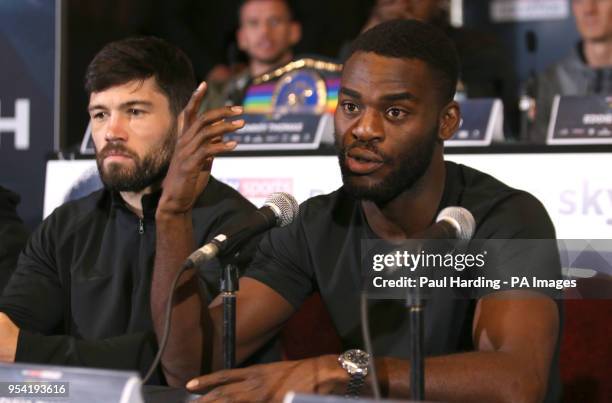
367	145
116	148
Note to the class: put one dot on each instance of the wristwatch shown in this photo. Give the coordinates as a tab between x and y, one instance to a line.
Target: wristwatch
356	363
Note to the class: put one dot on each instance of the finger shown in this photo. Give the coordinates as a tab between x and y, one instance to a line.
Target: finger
214	134
191	110
216	379
212	150
205	147
214	115
212	118
233	392
200	158
180	122
211	135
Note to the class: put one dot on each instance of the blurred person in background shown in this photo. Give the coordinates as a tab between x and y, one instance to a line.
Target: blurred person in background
13	234
587	70
267	34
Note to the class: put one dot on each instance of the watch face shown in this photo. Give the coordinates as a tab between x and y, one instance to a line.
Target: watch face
357	357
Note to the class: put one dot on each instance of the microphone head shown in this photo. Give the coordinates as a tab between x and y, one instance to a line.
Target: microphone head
285	207
461	219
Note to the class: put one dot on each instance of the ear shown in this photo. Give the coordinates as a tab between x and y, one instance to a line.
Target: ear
449	120
295	32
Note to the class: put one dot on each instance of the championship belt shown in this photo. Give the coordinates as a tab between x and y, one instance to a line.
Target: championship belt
290	108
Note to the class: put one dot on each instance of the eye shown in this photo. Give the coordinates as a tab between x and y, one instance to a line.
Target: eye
350	108
99	115
135	112
396	113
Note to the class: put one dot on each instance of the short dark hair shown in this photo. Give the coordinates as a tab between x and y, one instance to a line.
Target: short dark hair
287	3
140	58
412	39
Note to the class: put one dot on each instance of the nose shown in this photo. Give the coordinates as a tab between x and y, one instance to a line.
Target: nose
369	127
265	30
115	129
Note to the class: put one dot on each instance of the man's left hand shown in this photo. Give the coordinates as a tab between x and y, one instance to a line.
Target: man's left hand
9	332
270	382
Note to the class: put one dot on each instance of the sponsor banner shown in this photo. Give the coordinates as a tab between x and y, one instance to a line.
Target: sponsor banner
572	187
257	177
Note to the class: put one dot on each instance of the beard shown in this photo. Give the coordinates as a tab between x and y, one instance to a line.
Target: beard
411	165
146	171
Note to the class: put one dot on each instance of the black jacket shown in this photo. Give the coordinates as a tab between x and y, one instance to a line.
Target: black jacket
81	290
13	234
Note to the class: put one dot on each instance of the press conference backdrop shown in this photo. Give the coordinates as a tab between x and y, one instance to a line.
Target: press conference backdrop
27	98
574	188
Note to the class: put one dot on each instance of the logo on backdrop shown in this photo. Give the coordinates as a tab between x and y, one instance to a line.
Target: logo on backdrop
18	125
589	200
260	187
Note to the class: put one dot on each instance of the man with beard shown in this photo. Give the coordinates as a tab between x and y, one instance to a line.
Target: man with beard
395	110
81	292
267	33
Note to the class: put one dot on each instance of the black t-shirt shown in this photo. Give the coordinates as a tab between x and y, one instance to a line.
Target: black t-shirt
320	251
81	290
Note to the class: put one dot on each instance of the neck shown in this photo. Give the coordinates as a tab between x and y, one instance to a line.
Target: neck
413	210
598	53
133	200
258	67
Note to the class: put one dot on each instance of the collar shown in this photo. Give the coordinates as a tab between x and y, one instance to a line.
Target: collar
149	202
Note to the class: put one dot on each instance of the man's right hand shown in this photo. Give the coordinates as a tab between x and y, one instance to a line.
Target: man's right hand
199	140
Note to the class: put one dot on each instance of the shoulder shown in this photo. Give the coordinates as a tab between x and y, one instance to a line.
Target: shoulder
8	204
501	211
74	210
68	222
77	213
570	66
218	206
326	208
218	196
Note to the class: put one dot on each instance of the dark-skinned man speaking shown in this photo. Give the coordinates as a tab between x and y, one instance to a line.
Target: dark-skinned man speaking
394	112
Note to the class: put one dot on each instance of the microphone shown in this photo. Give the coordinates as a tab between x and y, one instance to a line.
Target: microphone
278	210
451	223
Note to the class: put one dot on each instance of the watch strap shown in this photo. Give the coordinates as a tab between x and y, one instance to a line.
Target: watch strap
354	386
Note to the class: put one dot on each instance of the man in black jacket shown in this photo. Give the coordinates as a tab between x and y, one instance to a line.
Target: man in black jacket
81	292
13	234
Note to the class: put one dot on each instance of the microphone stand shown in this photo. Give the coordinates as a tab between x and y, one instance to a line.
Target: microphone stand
416	307
229	286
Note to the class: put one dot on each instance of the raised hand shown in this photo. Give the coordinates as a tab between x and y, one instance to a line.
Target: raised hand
199	140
